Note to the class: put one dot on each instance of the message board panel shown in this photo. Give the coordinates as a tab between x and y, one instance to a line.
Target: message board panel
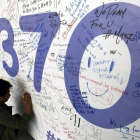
79	60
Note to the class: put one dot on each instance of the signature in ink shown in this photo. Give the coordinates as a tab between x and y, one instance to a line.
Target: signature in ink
122	35
110	10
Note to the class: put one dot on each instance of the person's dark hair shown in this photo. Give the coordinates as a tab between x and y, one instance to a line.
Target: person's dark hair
4	86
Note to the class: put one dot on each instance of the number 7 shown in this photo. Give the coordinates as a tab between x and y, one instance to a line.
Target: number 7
48	26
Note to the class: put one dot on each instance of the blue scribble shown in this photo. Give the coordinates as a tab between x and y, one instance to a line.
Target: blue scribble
127	133
137	36
61	62
112	66
77	8
28	76
84	93
50	136
121	81
105	53
124	136
89	62
137	69
136	93
137	84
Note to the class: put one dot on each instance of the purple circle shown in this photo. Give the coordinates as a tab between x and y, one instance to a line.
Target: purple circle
120	20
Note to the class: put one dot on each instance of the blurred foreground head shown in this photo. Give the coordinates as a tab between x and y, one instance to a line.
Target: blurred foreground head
4	86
